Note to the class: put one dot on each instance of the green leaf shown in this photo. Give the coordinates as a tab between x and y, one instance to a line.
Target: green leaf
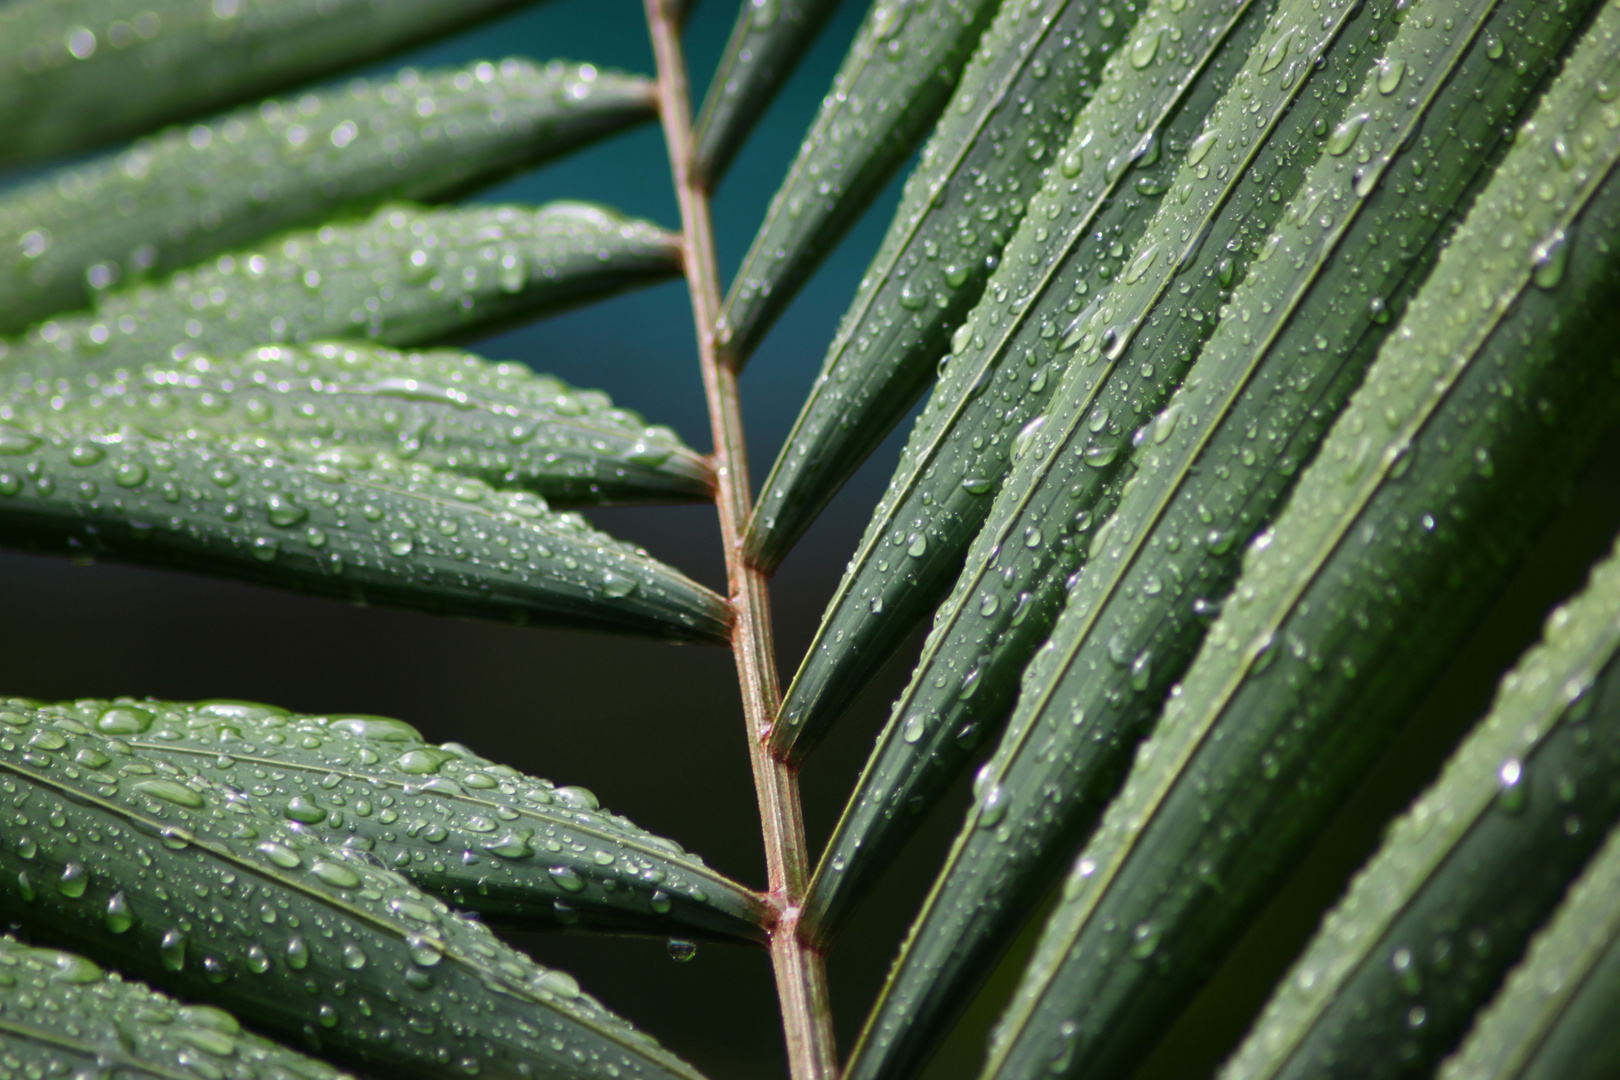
1010	355
66	1016
1294	337
1432	923
485	837
198	889
1036	65
404	276
185	195
343	522
78	73
500	423
767	43
892	87
1479	410
1554	1020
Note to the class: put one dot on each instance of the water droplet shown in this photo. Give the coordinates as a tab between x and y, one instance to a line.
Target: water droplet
301	809
118	917
74	880
283	511
1344	136
1551	256
335	874
1389	74
992	806
1144	47
124	720
170	791
1144	940
172	950
919	546
354	957
567	878
681	950
297	953
560	983
1276	53
913	729
13	441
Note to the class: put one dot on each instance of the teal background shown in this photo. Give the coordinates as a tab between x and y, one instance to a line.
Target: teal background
656	730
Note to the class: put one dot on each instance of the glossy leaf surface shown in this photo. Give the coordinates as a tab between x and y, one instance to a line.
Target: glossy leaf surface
147	855
1428	490
482	836
499	423
1295	333
65	1015
1435	919
767	42
404	276
348	523
78	73
1034	69
891	88
1008	358
187	194
1555	1018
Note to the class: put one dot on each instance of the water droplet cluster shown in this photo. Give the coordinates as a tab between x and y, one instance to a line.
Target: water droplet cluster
499	423
1034	69
891	88
482	835
402	276
346	522
198	887
191	192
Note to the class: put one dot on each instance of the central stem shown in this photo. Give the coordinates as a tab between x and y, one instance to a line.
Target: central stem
801	980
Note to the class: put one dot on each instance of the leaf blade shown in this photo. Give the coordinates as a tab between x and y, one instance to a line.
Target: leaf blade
878	109
65	1014
767	42
443	272
1554	1018
1295	335
339	523
980	411
547	856
183	196
77	74
499	423
1487	850
932	267
1341	519
384	932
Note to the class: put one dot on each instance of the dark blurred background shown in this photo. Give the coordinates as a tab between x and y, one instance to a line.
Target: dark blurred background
656	730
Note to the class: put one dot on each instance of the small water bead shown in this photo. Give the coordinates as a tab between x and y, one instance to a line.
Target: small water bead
1344	136
1144	47
172	950
74	880
681	951
302	810
1389	75
172	792
118	918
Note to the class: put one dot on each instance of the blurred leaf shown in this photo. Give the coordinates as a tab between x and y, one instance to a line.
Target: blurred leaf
78	73
1296	334
182	195
65	1016
1435	919
1554	1020
767	43
1010	355
500	423
349	523
1480	409
404	276
146	855
535	854
892	87
1034	69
